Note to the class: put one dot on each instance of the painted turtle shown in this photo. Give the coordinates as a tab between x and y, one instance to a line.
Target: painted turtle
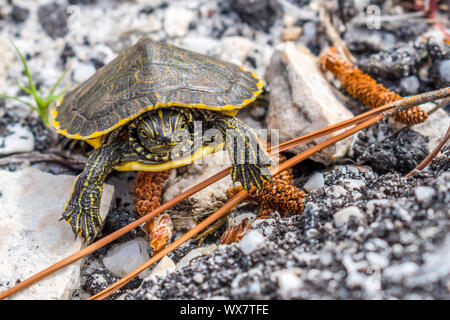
150	109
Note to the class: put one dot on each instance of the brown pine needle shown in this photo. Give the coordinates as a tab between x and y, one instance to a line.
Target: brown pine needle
377	114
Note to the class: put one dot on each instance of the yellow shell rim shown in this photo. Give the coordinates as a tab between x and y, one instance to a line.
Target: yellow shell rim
94	140
200	153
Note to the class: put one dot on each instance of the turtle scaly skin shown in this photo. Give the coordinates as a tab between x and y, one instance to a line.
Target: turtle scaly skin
141	111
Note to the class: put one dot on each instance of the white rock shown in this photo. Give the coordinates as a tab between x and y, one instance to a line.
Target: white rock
19	140
424	194
198	277
377	260
251	242
371	205
316	181
288	281
177	20
202	45
234	49
102	53
337	191
343	216
401	271
437	264
31	236
354	183
82	71
186	260
410	85
301	100
163	268
123	258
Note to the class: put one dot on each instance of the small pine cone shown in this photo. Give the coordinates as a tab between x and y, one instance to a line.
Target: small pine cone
148	190
284	197
364	88
147	197
271	195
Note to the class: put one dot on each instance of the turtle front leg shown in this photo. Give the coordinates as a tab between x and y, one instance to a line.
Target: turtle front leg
250	162
82	209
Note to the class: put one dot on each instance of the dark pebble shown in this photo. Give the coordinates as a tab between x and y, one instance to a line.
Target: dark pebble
82	1
260	14
19	14
66	53
400	152
53	18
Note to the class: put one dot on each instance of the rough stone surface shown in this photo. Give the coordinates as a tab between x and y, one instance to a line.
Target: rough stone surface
32	238
298	88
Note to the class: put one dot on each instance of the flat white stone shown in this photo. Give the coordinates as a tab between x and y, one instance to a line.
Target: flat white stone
19	140
288	281
31	236
123	258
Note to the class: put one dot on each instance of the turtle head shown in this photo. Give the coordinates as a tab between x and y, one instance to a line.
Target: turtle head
162	130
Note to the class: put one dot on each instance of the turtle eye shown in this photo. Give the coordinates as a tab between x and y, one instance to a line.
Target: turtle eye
183	125
143	134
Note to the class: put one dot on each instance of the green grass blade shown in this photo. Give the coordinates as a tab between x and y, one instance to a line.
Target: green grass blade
25	66
19	100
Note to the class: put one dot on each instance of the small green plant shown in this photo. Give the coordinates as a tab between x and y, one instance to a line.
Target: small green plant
41	103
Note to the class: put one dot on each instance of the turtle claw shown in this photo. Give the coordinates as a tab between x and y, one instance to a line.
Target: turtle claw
250	175
82	213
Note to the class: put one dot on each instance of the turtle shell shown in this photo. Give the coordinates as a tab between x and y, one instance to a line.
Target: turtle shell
148	76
